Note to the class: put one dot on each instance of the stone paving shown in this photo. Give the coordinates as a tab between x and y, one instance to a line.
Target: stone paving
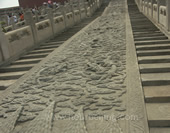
79	89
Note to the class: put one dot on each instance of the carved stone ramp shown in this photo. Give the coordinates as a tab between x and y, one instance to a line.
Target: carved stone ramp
154	67
85	78
33	57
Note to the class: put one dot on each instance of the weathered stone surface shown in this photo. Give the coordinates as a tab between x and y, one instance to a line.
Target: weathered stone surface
8	124
42	123
84	77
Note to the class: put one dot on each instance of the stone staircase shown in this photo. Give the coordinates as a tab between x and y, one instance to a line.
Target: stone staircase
153	52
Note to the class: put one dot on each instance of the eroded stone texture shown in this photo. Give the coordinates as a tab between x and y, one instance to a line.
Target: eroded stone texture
8	124
86	79
42	123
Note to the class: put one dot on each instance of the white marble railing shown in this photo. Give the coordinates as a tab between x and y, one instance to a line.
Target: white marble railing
158	11
15	42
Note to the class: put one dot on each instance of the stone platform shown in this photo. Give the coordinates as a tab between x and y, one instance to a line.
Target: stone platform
81	87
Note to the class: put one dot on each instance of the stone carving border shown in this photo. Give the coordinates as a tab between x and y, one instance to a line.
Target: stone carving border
135	98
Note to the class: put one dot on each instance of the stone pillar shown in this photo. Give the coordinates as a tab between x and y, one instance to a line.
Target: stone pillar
168	14
147	7
152	8
139	6
30	21
85	6
158	5
79	8
72	9
12	23
50	17
91	7
141	3
64	15
36	16
4	45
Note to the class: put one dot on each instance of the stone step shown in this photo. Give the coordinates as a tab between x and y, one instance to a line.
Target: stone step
41	51
140	21
47	47
148	35
6	83
152	42
146	32
11	75
26	61
158	114
154	59
153	47
62	39
160	130
52	42
154	68
14	68
64	36
32	56
154	52
155	79
138	24
150	38
143	26
157	94
147	29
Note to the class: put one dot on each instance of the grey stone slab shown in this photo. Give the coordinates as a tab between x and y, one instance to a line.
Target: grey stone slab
150	38
153	47
26	61
152	42
155	68
41	51
155	79
47	47
158	114
148	34
157	94
11	75
145	32
154	59
32	56
53	43
14	68
153	52
160	130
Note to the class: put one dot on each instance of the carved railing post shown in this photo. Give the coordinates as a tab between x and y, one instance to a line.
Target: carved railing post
147	7
50	17
64	15
13	23
4	45
36	16
72	9
85	6
79	8
152	8
158	5
30	21
168	14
